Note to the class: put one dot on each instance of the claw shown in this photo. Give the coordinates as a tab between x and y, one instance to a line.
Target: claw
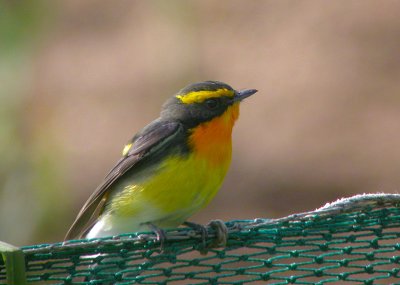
203	232
160	233
221	232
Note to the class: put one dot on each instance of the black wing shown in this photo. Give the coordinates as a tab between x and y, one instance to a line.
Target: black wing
155	135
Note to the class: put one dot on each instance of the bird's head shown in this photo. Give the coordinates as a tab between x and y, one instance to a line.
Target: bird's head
202	102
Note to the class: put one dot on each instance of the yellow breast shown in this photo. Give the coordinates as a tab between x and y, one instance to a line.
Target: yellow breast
190	183
184	184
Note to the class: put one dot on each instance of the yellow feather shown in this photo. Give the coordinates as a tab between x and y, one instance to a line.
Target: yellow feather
126	149
181	186
201	96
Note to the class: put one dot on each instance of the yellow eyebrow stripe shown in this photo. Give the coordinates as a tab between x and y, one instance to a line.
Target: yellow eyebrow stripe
201	96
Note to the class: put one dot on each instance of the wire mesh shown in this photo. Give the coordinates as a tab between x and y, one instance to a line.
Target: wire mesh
351	241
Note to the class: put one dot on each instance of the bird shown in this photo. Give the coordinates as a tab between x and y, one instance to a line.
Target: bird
170	169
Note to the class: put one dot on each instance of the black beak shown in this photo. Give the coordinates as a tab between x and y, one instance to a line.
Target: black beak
240	95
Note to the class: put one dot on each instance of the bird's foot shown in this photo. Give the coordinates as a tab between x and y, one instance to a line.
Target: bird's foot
161	236
221	233
203	233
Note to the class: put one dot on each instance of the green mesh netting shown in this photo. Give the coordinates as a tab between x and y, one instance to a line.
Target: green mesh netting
351	241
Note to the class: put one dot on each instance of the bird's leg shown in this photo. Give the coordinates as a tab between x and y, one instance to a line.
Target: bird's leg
203	232
221	233
160	233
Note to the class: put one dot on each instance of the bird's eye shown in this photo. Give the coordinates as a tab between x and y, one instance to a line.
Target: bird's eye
212	103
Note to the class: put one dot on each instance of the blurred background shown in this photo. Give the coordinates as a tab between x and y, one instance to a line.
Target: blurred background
79	78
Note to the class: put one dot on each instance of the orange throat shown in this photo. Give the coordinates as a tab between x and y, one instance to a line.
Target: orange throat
212	140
